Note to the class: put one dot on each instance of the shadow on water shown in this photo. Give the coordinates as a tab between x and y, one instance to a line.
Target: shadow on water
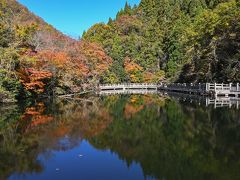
170	138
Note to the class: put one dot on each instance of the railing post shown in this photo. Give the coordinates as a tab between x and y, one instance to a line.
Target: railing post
230	86
237	86
207	87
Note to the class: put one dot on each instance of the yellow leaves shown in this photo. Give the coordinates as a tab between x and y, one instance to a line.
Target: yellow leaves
106	27
24	33
225	8
214	38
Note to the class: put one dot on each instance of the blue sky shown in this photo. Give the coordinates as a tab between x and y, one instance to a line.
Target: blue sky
72	17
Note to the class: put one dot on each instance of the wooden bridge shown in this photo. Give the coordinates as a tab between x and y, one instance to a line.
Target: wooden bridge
207	89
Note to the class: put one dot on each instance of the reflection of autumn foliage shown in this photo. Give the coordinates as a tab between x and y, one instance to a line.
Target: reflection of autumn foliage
60	131
149	99
35	117
137	103
90	119
133	106
94	127
131	110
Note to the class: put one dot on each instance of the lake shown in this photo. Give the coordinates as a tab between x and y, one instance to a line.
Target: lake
120	137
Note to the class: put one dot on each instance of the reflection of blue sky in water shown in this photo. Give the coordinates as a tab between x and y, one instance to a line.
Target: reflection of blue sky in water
93	164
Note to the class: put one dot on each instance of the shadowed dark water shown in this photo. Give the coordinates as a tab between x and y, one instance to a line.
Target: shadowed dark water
119	137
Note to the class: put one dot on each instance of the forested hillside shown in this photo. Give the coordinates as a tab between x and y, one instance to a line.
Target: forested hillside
37	60
158	40
175	40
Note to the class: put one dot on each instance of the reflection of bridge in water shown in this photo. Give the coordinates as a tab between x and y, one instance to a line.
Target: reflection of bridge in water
129	91
190	98
223	102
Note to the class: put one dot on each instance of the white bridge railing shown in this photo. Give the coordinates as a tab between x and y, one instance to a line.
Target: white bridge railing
128	86
200	88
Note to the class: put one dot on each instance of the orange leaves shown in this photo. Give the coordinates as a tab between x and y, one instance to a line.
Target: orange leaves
97	59
34	80
131	66
35	116
133	70
38	75
74	64
31	111
78	59
59	59
41	119
131	110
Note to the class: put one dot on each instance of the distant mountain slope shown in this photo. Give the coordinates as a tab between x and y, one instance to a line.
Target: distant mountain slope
37	60
48	35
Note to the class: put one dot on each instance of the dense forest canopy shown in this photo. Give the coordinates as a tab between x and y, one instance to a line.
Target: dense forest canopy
180	40
158	40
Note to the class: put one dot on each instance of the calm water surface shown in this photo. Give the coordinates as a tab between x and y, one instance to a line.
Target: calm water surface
119	137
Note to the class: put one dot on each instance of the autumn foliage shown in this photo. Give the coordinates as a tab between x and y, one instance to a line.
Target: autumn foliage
39	60
34	80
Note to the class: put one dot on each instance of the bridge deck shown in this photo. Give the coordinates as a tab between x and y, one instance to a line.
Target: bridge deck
202	89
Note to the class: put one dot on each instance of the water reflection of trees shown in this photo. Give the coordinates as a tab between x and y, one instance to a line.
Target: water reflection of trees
175	141
168	139
41	128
